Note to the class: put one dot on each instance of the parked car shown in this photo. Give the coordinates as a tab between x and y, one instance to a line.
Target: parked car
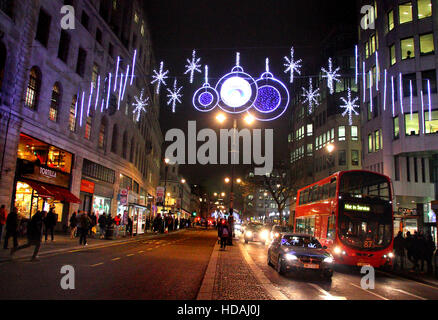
293	252
256	233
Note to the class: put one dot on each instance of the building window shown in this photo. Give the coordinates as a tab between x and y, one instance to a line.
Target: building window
407	48
64	46
390	20
131	153
370	143
377	140
95	75
55	102
412	125
426	44
309	149
102	135
2	63
409	79
80	65
72	118
354	133
424	8
355	157
397	168
99	35
43	28
431	121
114	141
393	58
405	12
429	76
423	170
341	133
342	158
88	126
396	128
33	89
310	130
415	170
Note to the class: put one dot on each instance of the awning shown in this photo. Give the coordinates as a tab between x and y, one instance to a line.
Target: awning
49	191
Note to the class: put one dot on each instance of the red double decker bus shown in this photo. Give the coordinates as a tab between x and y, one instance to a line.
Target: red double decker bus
349	212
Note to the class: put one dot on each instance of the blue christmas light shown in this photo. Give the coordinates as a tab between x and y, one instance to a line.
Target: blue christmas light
268	99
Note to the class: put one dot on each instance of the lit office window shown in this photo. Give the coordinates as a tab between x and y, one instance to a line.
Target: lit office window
426	44
412	125
309	130
377	140
370	143
432	125
396	131
405	12
392	55
407	48
354	133
424	9
310	149
355	157
341	133
390	20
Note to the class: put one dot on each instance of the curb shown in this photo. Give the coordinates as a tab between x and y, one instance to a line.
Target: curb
207	285
92	246
412	278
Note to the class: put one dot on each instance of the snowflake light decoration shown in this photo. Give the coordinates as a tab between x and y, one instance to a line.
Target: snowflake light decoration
292	65
140	105
350	107
174	96
193	66
160	77
331	75
311	96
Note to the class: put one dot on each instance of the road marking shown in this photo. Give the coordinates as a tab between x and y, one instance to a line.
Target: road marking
326	294
149	249
130	255
370	292
141	251
97	264
115	259
75	251
408	293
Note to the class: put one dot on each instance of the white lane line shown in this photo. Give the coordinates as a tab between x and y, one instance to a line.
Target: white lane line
262	279
326	294
370	292
115	259
408	293
97	264
406	279
141	251
130	255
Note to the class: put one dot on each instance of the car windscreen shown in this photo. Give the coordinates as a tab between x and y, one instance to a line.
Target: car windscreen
300	241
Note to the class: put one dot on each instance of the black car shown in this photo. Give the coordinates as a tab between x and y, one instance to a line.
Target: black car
292	252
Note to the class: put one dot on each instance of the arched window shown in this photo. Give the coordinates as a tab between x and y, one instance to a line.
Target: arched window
55	101
72	115
114	141
131	156
33	89
102	134
2	63
125	145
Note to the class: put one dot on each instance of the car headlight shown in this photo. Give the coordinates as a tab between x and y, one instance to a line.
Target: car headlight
248	234
264	234
290	257
337	250
328	260
277	234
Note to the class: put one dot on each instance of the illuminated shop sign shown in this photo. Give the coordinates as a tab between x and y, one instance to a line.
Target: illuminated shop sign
357	207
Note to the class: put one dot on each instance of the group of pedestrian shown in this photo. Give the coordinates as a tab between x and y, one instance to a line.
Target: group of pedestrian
224	232
419	249
168	223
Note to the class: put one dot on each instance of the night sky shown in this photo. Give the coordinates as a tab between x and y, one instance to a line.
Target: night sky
217	30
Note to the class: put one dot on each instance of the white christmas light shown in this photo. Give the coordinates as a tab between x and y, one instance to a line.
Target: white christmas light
331	75
97	93
174	96
120	90
393	96
311	96
410	97
384	90
292	66
429	100
237	59
206	74
82	108
133	67
377	71
89	99
109	90
356	63
76	104
140	105
350	107
124	85
422	110
193	66
117	73
371	89
160	77
364	82
401	93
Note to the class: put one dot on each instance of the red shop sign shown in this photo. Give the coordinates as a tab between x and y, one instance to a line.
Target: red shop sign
87	186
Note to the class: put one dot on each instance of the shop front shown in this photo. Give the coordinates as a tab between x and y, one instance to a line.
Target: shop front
405	220
42	179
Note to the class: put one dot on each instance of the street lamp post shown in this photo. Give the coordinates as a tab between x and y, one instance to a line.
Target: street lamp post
183	181
330	161
166	169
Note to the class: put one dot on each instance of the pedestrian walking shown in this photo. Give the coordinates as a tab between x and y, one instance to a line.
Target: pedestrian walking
399	248
429	251
50	222
129	226
84	226
409	243
73	225
117	220
223	233
11	228
3	217
102	225
34	235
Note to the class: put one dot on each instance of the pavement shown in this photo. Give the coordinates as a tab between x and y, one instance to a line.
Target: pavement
408	272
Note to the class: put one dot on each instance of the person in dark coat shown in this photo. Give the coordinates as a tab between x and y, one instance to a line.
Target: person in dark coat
102	225
84	226
129	226
73	225
34	235
429	251
50	222
11	228
223	233
399	248
409	242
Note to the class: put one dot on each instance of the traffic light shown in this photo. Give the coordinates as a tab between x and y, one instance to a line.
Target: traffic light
194	214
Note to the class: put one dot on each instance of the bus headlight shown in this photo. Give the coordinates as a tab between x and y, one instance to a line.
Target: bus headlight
389	255
337	250
290	257
328	260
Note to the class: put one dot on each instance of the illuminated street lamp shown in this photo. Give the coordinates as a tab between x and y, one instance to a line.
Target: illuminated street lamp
239	180
166	169
223	194
249	119
330	148
227	180
221	117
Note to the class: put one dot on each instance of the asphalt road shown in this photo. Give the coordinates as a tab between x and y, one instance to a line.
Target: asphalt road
345	284
170	267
